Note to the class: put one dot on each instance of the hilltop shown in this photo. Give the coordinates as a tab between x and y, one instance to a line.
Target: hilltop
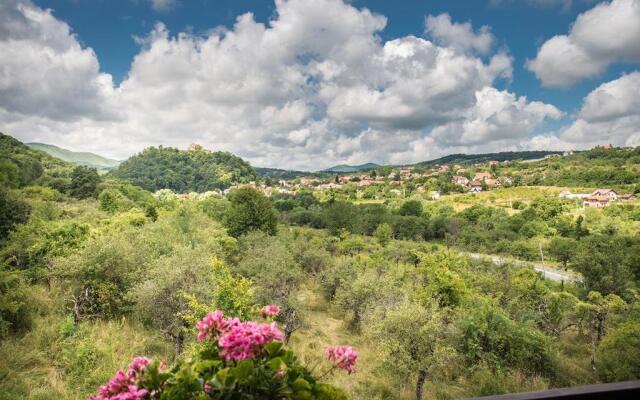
193	170
76	157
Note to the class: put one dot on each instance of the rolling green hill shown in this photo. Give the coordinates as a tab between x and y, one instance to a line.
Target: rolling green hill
342	168
25	165
482	158
194	170
76	157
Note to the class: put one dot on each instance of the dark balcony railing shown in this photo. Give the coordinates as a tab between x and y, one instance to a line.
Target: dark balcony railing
609	391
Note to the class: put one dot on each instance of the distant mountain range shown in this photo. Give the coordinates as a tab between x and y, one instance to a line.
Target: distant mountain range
343	168
76	157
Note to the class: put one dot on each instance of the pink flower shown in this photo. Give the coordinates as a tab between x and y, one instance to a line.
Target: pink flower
270	310
123	385
213	324
247	340
344	357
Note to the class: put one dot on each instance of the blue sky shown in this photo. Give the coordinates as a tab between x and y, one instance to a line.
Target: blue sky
322	114
110	26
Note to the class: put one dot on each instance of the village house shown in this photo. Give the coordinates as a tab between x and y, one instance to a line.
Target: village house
476	187
493	162
596	201
435	195
492	182
344	179
443	168
626	197
609	193
567	153
460	180
481	176
420	189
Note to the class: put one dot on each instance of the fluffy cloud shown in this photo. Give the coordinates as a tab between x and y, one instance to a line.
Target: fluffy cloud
458	36
44	71
314	86
606	34
611	113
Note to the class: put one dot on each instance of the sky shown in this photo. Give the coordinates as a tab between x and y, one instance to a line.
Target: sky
306	84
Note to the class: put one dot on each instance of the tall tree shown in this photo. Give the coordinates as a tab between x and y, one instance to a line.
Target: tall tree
250	211
84	182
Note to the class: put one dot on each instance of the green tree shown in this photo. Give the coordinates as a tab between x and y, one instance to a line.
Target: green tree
411	339
250	211
411	207
354	297
13	211
160	300
601	260
84	182
563	249
619	354
383	234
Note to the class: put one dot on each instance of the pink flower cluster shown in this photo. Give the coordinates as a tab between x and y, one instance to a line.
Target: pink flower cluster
123	386
213	324
270	311
344	357
238	340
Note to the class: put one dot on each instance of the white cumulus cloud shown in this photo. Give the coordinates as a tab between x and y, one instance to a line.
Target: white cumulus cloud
606	34
610	113
313	86
458	35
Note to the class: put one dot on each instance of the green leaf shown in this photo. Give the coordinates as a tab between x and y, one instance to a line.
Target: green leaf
276	363
243	370
301	384
274	348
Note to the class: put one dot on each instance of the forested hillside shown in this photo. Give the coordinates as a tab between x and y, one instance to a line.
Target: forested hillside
194	170
76	157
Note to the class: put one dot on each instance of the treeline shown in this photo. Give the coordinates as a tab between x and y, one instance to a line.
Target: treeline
607	258
194	170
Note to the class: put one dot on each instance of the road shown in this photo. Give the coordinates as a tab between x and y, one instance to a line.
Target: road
554	275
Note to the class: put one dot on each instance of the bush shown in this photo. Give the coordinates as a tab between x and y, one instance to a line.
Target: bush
228	366
619	354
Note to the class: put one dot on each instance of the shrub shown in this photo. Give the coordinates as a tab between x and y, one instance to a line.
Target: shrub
236	360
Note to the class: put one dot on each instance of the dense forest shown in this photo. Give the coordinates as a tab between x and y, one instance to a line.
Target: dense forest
194	170
96	271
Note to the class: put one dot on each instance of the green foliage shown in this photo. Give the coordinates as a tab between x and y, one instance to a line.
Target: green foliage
15	303
13	211
231	294
384	234
411	207
84	182
160	299
619	354
487	334
197	170
603	263
250	211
